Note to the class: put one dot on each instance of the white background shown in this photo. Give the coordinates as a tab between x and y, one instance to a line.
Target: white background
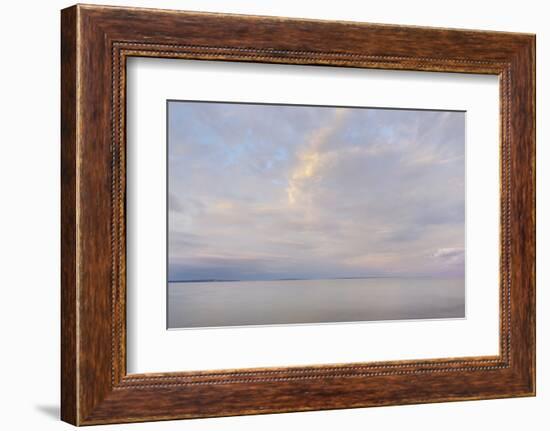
151	348
29	227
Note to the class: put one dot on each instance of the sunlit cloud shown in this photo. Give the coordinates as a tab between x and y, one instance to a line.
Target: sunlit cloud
311	157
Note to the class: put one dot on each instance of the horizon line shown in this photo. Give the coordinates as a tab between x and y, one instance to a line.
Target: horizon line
216	280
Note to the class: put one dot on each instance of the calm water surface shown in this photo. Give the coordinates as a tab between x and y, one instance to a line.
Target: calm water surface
237	303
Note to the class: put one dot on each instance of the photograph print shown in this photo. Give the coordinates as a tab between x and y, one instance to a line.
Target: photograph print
297	214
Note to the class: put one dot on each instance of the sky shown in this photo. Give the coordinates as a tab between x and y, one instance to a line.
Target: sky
266	192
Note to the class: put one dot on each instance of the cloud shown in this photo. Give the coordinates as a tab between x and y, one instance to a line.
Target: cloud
452	255
310	159
285	191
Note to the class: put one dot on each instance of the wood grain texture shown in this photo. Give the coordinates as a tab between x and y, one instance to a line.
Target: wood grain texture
96	41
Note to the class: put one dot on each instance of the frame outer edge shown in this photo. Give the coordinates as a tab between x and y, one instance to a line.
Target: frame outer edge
69	202
523	177
533	53
532	101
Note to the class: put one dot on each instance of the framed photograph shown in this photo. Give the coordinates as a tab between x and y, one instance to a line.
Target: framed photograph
324	204
264	214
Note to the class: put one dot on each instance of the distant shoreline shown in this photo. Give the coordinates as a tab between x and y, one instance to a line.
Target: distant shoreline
312	279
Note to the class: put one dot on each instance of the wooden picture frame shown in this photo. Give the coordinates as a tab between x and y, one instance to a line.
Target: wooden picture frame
95	43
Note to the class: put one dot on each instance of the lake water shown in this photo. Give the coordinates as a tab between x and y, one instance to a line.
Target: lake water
239	303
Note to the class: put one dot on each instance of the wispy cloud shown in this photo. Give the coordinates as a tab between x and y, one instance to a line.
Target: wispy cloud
311	157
